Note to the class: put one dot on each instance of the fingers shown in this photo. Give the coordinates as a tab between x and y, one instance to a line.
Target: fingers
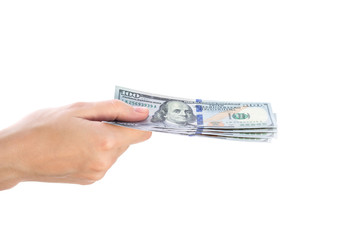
113	136
133	136
85	176
126	136
110	110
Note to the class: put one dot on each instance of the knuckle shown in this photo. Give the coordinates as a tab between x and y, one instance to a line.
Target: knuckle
95	176
117	103
120	105
143	135
106	143
86	182
99	166
140	136
77	105
147	135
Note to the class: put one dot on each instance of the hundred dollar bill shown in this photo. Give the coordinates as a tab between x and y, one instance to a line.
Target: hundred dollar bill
241	121
230	135
227	132
237	138
209	130
186	114
242	135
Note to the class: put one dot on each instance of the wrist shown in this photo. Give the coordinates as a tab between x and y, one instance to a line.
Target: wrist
9	174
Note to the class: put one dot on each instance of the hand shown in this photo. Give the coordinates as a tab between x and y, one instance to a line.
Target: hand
68	144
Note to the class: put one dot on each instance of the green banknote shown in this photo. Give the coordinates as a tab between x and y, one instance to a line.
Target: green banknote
253	121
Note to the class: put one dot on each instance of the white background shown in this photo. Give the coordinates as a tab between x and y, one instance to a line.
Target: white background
301	56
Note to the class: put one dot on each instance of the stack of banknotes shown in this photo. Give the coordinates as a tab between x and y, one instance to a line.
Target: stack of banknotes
241	121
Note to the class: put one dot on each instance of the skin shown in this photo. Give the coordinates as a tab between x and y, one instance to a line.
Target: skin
178	112
68	144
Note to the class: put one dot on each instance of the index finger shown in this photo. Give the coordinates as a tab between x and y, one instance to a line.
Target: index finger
127	136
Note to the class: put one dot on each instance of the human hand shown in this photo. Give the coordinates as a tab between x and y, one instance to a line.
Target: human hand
68	144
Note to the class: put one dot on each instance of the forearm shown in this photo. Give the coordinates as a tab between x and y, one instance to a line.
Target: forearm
9	176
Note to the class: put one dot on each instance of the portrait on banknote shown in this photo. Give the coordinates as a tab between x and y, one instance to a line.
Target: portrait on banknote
174	113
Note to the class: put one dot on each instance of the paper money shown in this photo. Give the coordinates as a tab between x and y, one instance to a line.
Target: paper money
244	121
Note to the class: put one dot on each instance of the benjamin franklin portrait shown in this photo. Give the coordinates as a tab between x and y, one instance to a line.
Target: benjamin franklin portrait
174	113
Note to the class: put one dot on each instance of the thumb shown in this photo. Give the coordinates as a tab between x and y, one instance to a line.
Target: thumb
111	110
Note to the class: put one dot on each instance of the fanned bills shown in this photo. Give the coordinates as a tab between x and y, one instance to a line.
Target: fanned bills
241	121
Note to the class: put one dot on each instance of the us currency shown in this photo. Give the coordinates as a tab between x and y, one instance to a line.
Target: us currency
218	119
239	138
229	133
